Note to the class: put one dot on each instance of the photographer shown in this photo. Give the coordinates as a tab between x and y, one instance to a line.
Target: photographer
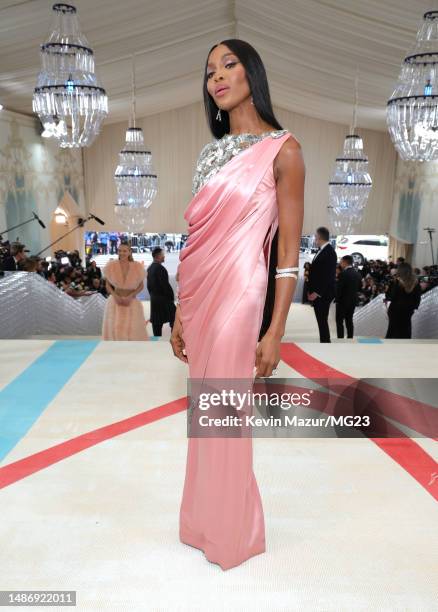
12	262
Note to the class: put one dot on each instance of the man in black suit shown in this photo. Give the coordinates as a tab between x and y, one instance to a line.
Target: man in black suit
322	281
11	263
347	287
162	297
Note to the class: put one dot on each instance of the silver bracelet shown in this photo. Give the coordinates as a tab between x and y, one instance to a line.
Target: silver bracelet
285	274
287	270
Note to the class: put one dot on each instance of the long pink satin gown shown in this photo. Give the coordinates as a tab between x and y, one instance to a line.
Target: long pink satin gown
124	322
223	273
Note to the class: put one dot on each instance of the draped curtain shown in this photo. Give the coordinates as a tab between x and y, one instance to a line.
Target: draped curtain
414	210
397	248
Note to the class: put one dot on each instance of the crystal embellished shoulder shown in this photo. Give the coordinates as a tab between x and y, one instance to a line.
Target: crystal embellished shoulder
217	153
248	135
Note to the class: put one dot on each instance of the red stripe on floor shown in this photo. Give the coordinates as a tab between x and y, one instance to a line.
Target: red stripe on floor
34	463
404	451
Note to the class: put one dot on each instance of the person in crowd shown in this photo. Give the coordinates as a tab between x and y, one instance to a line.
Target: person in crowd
369	290
348	285
43	267
124	315
94	270
75	259
97	286
322	281
113	239
30	264
51	277
72	289
103	242
161	293
169	245
94	243
18	255
306	271
404	295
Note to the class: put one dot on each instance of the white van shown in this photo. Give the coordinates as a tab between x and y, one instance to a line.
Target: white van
361	247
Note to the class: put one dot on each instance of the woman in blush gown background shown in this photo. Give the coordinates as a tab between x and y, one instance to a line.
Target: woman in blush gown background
124	318
245	215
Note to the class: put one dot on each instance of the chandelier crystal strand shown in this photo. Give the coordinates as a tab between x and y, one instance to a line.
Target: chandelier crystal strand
412	110
350	184
135	180
68	98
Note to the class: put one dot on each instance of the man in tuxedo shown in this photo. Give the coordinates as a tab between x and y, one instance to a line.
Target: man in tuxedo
161	293
11	263
348	285
322	281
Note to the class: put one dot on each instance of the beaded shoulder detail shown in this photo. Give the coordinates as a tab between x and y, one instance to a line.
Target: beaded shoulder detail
217	153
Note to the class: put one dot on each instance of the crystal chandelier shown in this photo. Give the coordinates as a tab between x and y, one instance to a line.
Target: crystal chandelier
350	183
135	181
67	98
412	110
342	221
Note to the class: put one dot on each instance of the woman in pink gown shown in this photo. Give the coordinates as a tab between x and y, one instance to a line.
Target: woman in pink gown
124	318
249	182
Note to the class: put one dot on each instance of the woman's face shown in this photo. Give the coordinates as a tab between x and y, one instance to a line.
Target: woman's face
225	70
124	252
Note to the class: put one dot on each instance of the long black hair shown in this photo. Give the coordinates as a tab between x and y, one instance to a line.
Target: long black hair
259	88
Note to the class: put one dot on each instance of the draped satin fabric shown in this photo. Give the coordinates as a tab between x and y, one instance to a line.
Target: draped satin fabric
124	322
223	273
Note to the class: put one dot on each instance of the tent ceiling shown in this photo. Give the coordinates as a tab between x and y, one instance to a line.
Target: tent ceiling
310	49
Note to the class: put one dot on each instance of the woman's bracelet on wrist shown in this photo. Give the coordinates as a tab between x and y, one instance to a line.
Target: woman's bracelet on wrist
286	272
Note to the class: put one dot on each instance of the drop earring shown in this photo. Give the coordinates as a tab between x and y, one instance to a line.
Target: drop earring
252	101
218	116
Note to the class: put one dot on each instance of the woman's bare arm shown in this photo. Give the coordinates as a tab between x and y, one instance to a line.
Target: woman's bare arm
290	177
289	172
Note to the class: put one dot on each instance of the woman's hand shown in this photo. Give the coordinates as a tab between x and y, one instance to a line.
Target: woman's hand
267	355
176	339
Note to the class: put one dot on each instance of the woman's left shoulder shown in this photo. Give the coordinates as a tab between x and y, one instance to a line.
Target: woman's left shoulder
289	155
290	146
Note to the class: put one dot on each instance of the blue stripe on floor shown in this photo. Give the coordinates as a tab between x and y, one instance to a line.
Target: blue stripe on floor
25	398
370	340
